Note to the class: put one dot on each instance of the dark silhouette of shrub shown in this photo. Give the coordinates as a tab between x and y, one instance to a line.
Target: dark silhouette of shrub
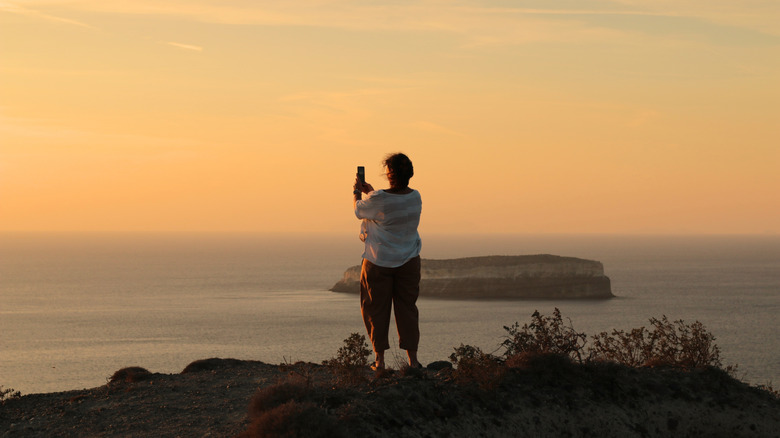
666	344
539	361
550	347
351	360
211	364
768	388
289	409
404	371
545	335
130	375
353	354
291	388
473	366
8	393
292	419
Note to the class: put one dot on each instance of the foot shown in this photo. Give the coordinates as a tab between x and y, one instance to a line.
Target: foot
413	362
379	363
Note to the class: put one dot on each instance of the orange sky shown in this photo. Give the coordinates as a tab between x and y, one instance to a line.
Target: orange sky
622	116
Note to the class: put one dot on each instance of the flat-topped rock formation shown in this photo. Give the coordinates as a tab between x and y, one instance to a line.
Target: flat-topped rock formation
504	277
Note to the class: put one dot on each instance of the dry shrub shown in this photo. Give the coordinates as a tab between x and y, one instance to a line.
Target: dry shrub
532	361
303	371
409	371
291	388
768	388
630	348
288	409
130	375
211	364
351	360
666	344
8	394
476	367
545	363
292	419
545	335
354	353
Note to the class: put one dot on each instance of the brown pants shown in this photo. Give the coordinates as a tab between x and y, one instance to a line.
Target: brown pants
382	287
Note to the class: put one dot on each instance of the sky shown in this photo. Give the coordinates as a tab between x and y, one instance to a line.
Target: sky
565	116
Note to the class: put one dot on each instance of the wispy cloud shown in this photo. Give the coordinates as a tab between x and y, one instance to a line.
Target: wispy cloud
47	134
758	15
16	9
341	99
435	128
476	22
185	46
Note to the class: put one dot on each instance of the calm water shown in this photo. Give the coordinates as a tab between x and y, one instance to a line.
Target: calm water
74	309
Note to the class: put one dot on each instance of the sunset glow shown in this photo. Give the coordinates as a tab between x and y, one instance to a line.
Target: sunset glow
589	116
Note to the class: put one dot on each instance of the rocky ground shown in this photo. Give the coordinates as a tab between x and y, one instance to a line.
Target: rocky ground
546	397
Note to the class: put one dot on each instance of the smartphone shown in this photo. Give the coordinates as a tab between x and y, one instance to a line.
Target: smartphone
362	174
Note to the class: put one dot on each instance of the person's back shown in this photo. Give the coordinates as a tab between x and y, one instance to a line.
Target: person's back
389	226
390	275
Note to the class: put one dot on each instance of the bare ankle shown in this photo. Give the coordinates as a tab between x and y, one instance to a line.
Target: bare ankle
380	358
413	362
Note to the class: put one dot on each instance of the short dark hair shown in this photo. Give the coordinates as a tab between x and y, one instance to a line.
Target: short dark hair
399	169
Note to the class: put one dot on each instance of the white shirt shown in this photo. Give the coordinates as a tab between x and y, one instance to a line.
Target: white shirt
389	227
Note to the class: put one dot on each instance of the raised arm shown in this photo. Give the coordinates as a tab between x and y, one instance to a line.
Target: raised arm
358	189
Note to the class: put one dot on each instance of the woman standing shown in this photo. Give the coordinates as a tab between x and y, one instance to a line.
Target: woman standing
390	275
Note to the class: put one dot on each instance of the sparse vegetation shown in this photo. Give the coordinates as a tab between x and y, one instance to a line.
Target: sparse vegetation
288	389
545	335
666	344
351	359
130	375
282	411
8	393
211	364
475	366
671	344
511	392
768	388
353	354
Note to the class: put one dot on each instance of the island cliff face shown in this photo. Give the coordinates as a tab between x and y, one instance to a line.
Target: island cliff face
504	277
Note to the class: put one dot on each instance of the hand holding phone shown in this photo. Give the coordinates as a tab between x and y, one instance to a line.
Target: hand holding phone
361	174
360	181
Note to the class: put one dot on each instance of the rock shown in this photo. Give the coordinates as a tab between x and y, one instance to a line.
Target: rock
211	364
504	277
439	365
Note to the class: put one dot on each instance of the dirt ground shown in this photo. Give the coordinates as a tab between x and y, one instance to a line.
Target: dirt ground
213	397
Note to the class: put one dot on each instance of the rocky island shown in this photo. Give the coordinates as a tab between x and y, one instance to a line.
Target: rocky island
541	276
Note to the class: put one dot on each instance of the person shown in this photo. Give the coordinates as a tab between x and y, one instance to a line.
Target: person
390	274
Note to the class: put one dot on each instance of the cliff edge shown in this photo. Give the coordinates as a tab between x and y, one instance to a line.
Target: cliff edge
541	276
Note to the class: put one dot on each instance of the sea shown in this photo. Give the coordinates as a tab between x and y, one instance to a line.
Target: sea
75	308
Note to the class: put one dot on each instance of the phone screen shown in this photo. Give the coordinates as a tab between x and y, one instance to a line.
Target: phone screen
361	173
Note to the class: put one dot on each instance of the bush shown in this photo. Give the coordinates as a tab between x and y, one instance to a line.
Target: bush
130	375
545	335
549	343
285	390
768	388
289	408
351	359
8	394
211	364
354	353
291	420
666	344
475	367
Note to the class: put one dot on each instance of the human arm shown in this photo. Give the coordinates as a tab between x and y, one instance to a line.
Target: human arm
358	189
